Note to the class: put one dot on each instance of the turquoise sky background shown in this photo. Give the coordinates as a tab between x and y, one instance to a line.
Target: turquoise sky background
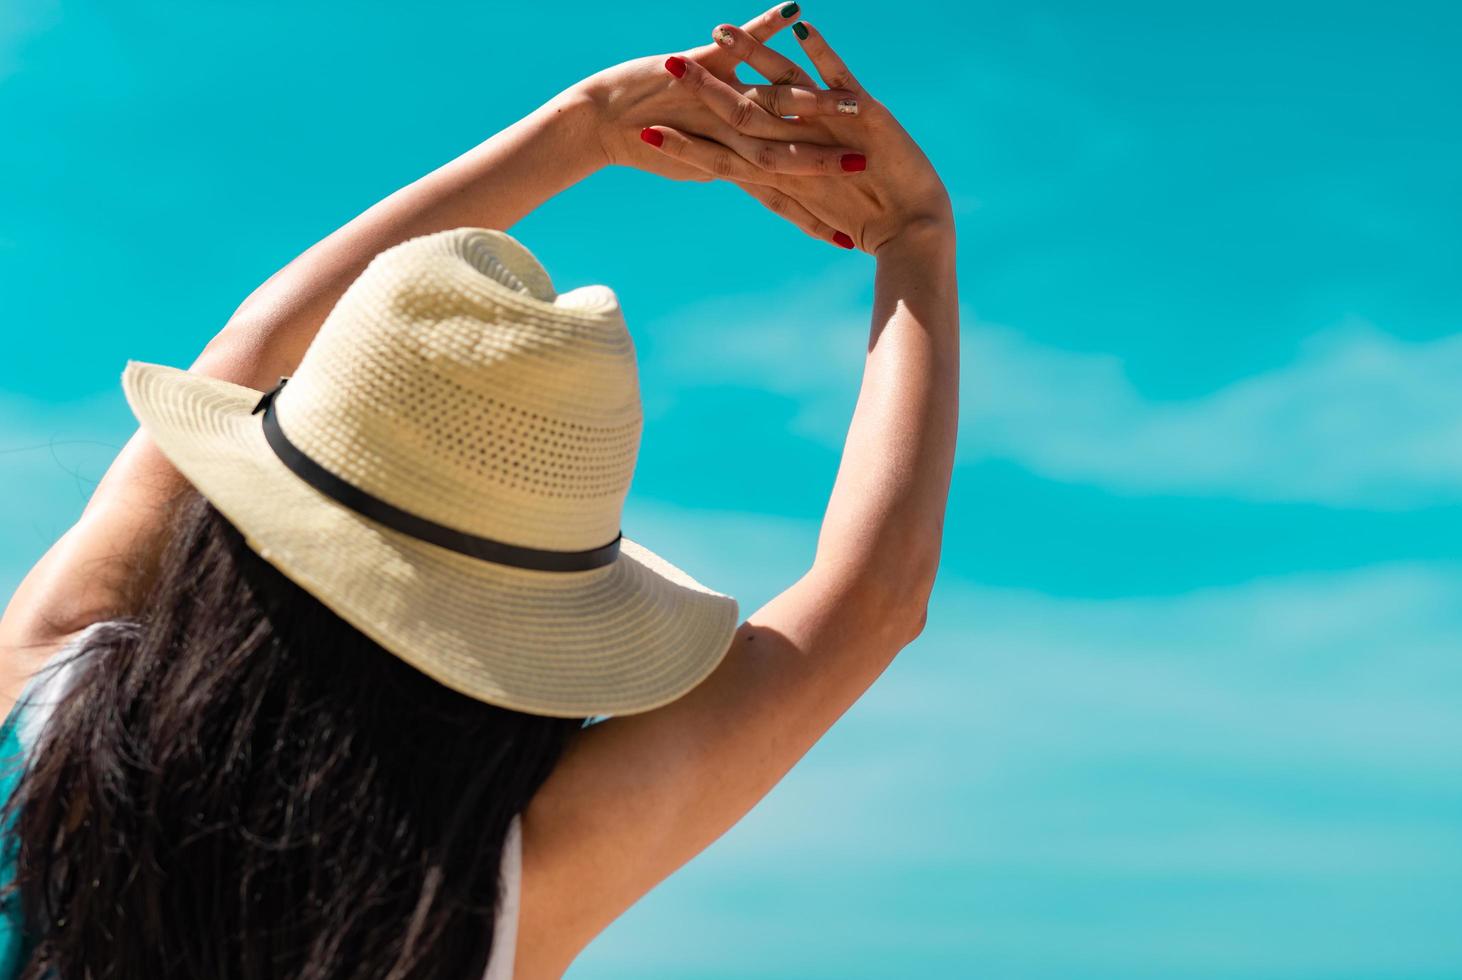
1188	701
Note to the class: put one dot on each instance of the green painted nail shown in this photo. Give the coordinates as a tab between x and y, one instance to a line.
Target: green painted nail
800	29
788	10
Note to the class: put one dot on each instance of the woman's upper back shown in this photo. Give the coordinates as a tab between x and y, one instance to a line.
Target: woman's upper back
21	733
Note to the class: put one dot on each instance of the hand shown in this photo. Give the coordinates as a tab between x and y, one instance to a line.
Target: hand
631	95
893	191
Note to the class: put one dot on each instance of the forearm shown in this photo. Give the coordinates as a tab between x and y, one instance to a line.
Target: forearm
493	185
885	518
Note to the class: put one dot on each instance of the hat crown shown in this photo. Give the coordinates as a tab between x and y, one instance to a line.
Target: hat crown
451	381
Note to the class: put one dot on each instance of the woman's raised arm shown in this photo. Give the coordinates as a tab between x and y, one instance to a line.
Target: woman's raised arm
89	572
636	797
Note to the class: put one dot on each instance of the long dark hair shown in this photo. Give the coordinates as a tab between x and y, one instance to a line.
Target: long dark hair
241	785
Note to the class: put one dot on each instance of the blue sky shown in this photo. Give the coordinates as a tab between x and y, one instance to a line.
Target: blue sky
1187	702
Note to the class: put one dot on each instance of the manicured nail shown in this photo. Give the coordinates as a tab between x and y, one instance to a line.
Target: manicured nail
854	162
788	10
723	37
676	66
842	239
848	107
652	136
800	29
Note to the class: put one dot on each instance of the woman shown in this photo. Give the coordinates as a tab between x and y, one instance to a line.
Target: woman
310	708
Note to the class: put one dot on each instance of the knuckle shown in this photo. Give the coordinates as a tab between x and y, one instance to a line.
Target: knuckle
723	164
779	203
743	112
766	156
789	75
774	95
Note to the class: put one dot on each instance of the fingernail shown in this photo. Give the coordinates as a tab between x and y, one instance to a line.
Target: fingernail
848	107
853	162
800	29
676	66
842	239
723	37
652	136
788	10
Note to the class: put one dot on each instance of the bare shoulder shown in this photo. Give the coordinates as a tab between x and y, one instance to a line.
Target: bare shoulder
74	584
20	663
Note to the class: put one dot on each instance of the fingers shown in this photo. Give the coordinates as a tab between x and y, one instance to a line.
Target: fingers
761	27
765	24
797	100
792	92
759	137
777	68
834	73
713	158
745	158
733	107
780	203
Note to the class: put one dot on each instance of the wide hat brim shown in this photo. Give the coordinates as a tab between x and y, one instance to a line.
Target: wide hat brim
627	637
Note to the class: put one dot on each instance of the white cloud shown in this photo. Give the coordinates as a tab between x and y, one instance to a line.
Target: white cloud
1359	418
1289	740
1332	679
1040	773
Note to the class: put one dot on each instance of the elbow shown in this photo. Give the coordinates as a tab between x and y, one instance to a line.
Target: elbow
904	619
889	601
915	610
916	586
902	601
919	583
920	620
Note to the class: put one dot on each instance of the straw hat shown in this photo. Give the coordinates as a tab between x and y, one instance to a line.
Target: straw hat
446	470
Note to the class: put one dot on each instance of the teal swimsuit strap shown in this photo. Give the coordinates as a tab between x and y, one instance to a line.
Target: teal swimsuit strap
15	948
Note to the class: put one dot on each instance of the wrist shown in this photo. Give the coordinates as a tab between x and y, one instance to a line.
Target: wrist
600	101
926	236
512	172
570	124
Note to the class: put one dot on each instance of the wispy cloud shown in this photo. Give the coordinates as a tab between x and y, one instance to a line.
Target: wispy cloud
1359	419
1038	773
1262	692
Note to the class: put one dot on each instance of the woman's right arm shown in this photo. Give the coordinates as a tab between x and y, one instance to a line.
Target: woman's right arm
636	797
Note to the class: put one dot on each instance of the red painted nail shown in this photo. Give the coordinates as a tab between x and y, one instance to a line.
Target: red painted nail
854	162
842	239
652	136
676	66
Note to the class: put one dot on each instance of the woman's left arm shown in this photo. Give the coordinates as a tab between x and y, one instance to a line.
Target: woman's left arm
592	124
93	568
493	185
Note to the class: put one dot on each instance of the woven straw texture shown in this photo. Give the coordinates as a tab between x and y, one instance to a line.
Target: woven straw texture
451	381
